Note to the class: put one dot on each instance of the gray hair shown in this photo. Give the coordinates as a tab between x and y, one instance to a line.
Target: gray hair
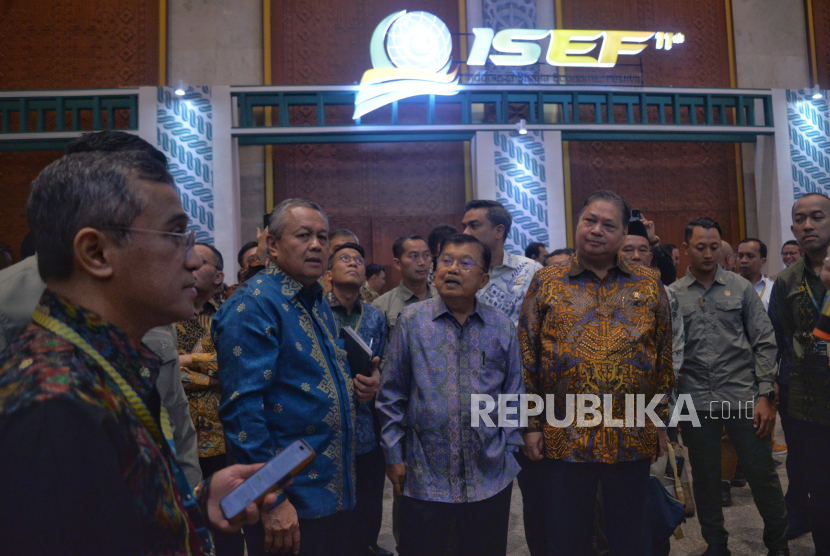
86	190
611	197
279	216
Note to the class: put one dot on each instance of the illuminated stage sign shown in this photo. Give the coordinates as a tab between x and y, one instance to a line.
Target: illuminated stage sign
412	53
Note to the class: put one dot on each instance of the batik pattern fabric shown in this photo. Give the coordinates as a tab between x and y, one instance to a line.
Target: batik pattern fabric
580	334
508	284
434	367
794	310
41	366
284	377
193	337
367	294
370	324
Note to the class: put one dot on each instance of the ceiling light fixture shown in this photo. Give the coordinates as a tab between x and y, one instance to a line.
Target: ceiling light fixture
520	127
181	89
815	92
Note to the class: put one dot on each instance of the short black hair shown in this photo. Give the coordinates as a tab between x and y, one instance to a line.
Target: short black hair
113	141
566	251
762	248
465	239
790	242
701	222
438	233
808	195
397	247
610	197
373	269
27	246
496	213
5	248
350	245
246	247
533	249
343	232
216	252
670	246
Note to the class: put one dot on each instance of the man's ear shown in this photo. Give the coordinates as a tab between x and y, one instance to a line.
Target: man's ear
327	275
397	263
93	253
500	232
220	277
485	279
273	250
685	248
763	261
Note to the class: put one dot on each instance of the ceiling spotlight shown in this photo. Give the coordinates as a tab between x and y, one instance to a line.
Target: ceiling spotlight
181	89
815	92
520	127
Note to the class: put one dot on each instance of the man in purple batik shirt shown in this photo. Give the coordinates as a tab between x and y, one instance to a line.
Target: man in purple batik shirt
443	351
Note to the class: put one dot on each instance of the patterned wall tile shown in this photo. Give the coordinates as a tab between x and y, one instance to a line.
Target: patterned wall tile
809	142
521	186
185	135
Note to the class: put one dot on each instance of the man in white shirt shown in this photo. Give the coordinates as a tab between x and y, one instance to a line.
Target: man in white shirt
510	275
752	256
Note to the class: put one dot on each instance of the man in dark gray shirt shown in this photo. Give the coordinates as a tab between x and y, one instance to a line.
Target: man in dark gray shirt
728	369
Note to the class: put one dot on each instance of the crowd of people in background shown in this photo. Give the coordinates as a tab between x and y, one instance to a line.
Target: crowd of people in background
137	389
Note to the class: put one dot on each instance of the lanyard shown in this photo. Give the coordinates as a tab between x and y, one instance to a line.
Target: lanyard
813	297
761	295
138	406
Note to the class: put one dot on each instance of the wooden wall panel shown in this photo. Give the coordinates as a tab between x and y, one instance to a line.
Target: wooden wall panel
821	23
378	190
670	182
18	170
68	44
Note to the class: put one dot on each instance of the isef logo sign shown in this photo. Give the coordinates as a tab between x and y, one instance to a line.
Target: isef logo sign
411	56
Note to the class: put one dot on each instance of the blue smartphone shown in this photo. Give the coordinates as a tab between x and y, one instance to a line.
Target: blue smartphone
270	477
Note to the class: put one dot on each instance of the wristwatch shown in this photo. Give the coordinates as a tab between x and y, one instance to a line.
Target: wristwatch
770	396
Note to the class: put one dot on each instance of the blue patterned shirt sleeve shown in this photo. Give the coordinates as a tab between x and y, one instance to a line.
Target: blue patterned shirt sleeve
395	389
247	348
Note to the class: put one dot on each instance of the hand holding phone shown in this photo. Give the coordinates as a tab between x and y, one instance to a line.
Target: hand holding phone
269	478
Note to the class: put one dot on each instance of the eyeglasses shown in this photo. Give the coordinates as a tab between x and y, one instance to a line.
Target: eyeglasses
466	264
348	258
186	238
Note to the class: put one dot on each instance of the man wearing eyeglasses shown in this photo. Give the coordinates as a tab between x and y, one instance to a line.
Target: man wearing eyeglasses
442	351
81	422
346	274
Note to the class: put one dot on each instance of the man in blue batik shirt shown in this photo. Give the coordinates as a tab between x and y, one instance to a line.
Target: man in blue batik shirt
284	377
443	351
347	274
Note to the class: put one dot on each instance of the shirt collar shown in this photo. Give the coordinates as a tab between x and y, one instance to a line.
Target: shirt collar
406	294
509	260
577	268
290	286
439	308
335	303
721	276
135	362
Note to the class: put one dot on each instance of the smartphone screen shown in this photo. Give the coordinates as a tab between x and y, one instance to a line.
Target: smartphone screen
271	476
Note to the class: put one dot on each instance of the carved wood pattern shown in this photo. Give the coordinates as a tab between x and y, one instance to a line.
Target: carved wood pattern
378	190
19	169
670	182
75	44
821	22
68	44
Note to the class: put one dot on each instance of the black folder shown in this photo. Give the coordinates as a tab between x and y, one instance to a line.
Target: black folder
358	353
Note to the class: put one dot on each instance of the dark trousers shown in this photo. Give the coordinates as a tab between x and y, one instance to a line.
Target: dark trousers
813	442
227	544
755	458
325	536
571	495
481	527
531	482
798	491
368	512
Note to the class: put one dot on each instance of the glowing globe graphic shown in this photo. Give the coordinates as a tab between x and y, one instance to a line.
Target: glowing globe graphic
419	41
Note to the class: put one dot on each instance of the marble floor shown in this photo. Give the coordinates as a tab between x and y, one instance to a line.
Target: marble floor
742	521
